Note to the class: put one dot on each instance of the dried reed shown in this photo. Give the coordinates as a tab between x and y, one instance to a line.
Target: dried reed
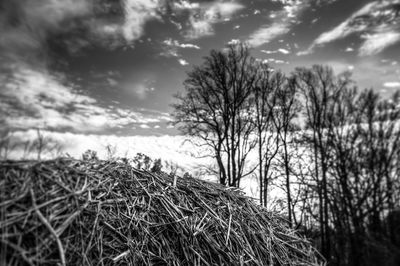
93	212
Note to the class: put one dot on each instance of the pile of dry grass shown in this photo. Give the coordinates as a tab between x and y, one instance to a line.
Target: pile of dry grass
73	212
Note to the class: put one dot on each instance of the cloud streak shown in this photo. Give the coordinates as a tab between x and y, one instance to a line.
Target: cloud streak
171	49
172	46
377	42
282	22
266	34
280	50
392	84
377	22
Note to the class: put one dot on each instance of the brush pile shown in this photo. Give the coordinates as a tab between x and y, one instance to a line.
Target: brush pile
93	212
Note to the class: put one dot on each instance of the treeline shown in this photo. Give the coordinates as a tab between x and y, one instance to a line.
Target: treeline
140	161
333	149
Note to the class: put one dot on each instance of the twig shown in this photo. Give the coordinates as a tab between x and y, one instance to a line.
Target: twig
47	224
120	256
229	229
175	179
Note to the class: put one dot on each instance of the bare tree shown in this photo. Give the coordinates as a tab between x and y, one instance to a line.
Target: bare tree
287	107
319	86
266	87
353	141
365	144
216	109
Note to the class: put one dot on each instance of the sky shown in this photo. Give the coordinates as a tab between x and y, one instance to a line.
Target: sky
109	67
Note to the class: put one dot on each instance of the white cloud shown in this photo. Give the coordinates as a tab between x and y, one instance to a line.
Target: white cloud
283	51
339	32
266	34
174	43
137	13
268	52
183	62
202	19
199	28
33	98
223	9
144	126
280	62
377	20
282	22
234	42
189	45
171	49
393	84
376	43
272	60
186	5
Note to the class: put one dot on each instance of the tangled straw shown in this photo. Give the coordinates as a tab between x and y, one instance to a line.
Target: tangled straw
92	212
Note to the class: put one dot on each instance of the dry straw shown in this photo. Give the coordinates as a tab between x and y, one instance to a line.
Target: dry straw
92	212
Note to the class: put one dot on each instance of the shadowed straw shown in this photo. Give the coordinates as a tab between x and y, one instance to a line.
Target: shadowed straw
74	212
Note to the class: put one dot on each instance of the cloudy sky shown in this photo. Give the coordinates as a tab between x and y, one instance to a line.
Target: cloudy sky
110	67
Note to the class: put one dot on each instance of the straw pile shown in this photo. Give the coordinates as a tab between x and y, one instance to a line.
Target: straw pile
92	212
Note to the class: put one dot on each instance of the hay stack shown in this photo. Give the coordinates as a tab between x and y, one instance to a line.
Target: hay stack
73	212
